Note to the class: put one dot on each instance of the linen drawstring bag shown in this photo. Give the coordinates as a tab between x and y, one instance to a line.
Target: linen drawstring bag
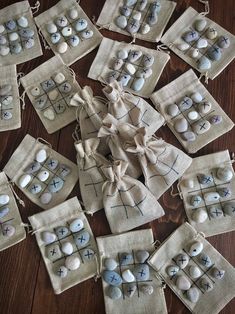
127	202
91	178
214	286
207	215
210	121
112	247
128	108
152	25
68	31
137	76
19	37
50	87
11	226
116	134
10	111
161	163
67	244
42	174
210	48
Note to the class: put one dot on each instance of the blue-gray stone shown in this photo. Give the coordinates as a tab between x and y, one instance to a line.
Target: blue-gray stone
55	38
61	232
206	284
6	115
55	185
80	25
147	60
65	88
52	164
124	79
64	170
3	212
133	26
114	293
33	167
225	192
61	21
205	179
11	25
112	278
216	212
130	3
142	5
82	239
182	260
53	252
229	209
155	6
195	200
29	43
205	260
26	32
126	259
142	256
152	18
141	272
130	289
60	106
125	11
138	84
48	85
88	33
121	21
35	188
223	42
204	63
88	255
214	53
190	36
74	40
16	48
185	104
3	40
216	119
40	102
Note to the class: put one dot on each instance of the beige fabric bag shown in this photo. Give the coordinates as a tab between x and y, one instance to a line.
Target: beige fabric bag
179	242
127	202
101	67
116	133
173	93
12	218
208	165
172	38
111	11
85	45
14	12
162	163
91	178
130	242
10	113
22	159
61	216
128	108
57	112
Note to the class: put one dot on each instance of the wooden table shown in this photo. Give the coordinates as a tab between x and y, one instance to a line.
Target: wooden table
24	283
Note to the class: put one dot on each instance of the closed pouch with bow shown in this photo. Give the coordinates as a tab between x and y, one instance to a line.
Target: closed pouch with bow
162	163
127	202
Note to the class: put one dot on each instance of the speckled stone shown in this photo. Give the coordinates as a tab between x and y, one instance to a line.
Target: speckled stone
190	36
152	18
55	38
218	273
88	255
146	289
62	47
87	34
189	136
26	33
10	25
122	54
211	196
73	14
49	114
183	46
126	258
205	179
8	230
144	29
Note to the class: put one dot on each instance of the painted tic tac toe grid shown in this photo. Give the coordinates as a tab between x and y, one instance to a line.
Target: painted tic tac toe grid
214	218
195	271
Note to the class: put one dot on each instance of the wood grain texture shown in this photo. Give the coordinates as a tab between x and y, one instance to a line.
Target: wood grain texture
24	283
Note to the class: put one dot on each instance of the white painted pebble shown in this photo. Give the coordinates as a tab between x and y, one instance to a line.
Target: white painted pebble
72	262
49	114
196	97
62	47
48	237
224	174
128	276
51	28
181	125
173	110
183	46
76	225
41	155
4	199
110	264
24	180
59	78
183	283
23	21
193	115
73	13
130	68
200	215
67	248
196	248
45	198
211	196
122	54
194	272
43	175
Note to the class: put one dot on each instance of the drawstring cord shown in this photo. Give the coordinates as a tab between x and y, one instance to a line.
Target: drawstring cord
21	202
207	7
35	7
43	39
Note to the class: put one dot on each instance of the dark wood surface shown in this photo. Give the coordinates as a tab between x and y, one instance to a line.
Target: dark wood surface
24	283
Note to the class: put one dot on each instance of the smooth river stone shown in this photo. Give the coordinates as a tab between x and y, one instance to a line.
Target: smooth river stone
205	260
146	289
81	25
137	16
142	256
65	88
196	248
173	110
4	50
172	270
87	34
202	43
55	185
229	209
114	293
47	85
134	55
194	53
3	40
35	188
52	164
53	252
195	200
4	211
16	48
130	289
130	68
64	170
8	230
67	248
223	42
204	107
74	40
188	183
196	97
148	60
82	239
128	276
49	114
6	115
41	155
155	6
26	33
124	79
190	36
73	14
59	78
45	198
200	215
126	258
61	232
185	104
224	174
62	47
11	25
214	53
193	115
88	255
130	3
183	46
110	264
133	26
142	5
138	84
4	199
24	180
206	284
40	102
13	36
2	29
211	33
205	179
112	76
144	73
218	273
225	192
7	100
48	237
55	38
35	91
125	11
23	21
112	278
144	29
183	283
200	25
216	212
118	63
182	260
61	21
43	175
122	54
51	28
121	21
141	272
72	262
152	18
211	196
201	127
204	63
181	125
76	225
193	294
62	271
216	119
194	272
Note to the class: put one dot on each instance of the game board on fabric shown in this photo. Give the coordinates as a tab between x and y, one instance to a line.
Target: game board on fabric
200	42
196	272
129	284
141	19
68	31
191	112
207	189
67	244
137	68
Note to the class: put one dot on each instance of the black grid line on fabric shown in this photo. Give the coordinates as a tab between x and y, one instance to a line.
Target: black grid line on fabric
4	110
92	124
2	223
94	184
216	188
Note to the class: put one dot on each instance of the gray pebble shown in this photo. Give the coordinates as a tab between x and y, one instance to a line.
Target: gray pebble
183	283
130	290
4	50
225	192
35	188
152	18
214	53
155	6
61	232
194	272
147	60
4	211
74	41
200	25
224	174
216	212
88	255
87	34
65	88
118	63
130	3
133	26
205	260
193	294
223	42
60	107
205	179
201	127
138	84
62	271
144	73
191	36
73	13
29	43
204	63
206	284
185	104
82	239
52	164
134	55
142	256
142	5
189	136
112	76
53	252
141	272
122	54
173	110
204	107
45	198
172	270
10	25
124	79
61	21
125	11
55	38
3	40
126	259
40	102
195	200
51	28
200	215
55	185
110	264
6	115
6	100
216	119
16	48
181	125
64	170
182	260
81	25
5	90
211	33
48	85
114	293
26	33
218	273
229	209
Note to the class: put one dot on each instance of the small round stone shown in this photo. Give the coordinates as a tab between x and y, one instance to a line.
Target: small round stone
193	115
144	29
142	256
229	209
147	60
130	289
59	78
55	38
8	230
81	25
112	278
126	258
144	72
10	25
196	97
87	34
65	88
137	16
214	53
35	91
35	188
23	21
55	185
43	175
4	199
211	33
183	283
130	68
48	237
201	127
124	10
62	271
172	270
29	43
7	100
41	155
223	42
26	33
62	47
204	63
61	21
6	115
205	260
185	104
2	29
190	36
67	31
189	136
205	179
225	192
121	21
218	273
76	225
124	79
122	54
16	48
118	63
24	180
181	125
138	84
40	102
202	43
194	53
133	26
67	248
173	110
146	289
200	215
4	211
141	272
110	264
194	272
114	293
183	46
200	24
216	119
195	200
74	40
51	28
224	174
3	40
53	252
182	260
211	196
61	232
45	198
4	50
188	183
73	14
216	212
196	248
204	107
128	276
88	255
49	114
72	262
206	284
193	294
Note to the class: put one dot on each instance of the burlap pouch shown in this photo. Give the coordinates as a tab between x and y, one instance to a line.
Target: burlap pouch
130	242
85	45
60	109
127	202
111	11
128	108
12	218
172	38
179	242
101	67
116	133
161	163
91	178
61	216
24	156
14	12
173	93
208	165
10	113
